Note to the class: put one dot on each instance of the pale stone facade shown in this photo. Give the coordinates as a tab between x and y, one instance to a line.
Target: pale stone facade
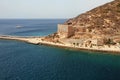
72	42
65	31
97	42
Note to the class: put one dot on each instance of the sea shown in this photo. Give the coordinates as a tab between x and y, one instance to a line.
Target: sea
23	61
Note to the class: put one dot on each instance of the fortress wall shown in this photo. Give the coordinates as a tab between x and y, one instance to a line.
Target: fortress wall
65	30
62	28
72	41
71	31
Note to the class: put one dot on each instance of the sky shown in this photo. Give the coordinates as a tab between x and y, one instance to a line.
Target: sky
40	9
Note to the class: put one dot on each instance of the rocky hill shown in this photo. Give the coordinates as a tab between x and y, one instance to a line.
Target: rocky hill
98	29
101	23
104	20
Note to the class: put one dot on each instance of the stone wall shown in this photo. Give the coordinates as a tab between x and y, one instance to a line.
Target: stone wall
62	28
97	42
72	42
65	31
71	31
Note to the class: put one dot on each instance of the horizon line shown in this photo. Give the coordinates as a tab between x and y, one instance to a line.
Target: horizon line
34	18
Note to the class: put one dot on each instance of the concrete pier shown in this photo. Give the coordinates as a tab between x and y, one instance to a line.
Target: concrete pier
28	39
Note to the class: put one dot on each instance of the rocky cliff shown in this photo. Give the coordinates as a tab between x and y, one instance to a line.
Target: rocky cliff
103	20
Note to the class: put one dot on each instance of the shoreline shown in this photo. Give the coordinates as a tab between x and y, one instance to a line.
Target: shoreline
38	41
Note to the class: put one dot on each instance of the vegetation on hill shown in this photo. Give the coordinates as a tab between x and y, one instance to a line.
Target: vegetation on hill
104	19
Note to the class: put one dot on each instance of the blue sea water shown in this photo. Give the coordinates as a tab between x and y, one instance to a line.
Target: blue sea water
22	61
29	27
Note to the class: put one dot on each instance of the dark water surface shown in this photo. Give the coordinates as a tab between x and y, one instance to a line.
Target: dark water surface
22	61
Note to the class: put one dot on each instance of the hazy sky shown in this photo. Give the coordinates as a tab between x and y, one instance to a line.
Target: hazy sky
46	8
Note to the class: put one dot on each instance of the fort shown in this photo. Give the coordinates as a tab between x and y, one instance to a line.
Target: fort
74	35
81	36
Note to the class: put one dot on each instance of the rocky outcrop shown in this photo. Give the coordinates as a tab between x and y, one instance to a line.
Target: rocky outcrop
103	20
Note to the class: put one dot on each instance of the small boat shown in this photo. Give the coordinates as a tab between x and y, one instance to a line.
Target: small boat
18	26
